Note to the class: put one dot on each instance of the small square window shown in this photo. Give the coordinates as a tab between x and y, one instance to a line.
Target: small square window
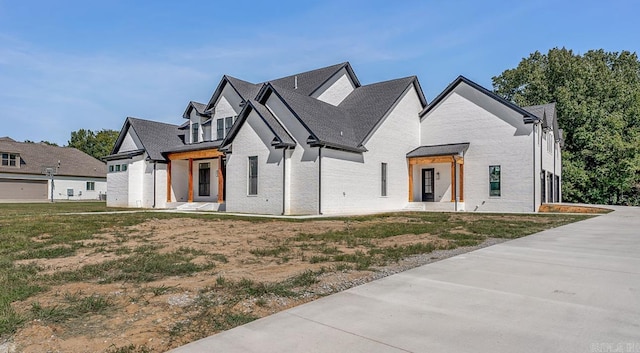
91	185
124	168
117	167
111	169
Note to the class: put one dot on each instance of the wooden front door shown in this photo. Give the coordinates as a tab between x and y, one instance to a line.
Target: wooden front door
427	185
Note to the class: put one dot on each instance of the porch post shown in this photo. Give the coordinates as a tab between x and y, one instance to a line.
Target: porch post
220	181
190	180
410	181
453	181
169	181
461	182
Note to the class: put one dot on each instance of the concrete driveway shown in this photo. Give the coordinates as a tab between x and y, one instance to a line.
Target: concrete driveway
571	289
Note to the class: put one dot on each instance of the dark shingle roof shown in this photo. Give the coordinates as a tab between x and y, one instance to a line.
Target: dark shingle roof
246	90
544	112
309	81
193	146
155	137
439	150
35	156
367	105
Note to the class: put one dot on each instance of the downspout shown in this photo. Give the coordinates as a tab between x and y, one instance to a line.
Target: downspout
455	184
533	140
320	180
284	183
553	179
154	184
543	176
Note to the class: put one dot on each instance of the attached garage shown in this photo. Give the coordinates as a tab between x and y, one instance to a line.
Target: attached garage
13	189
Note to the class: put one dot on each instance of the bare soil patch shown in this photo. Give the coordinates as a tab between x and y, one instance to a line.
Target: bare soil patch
248	270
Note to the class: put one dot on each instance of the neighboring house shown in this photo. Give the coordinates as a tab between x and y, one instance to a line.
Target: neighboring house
321	142
23	172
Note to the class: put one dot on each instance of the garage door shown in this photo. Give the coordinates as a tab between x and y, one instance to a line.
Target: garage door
23	189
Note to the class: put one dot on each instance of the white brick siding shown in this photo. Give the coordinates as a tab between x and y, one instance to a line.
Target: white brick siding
336	89
493	141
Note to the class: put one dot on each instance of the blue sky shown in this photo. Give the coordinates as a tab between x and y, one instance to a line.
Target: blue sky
67	65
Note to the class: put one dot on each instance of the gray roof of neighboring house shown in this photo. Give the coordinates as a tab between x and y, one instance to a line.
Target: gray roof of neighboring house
35	156
439	150
156	137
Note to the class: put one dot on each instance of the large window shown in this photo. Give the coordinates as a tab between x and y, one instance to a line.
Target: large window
204	180
219	129
228	122
383	179
253	175
91	185
195	134
10	160
494	180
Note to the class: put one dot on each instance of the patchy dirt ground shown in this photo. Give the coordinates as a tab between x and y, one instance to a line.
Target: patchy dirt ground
163	314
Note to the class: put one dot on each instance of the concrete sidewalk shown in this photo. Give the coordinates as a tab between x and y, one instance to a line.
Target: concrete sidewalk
570	289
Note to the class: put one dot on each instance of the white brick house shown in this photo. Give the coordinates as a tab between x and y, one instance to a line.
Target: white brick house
319	142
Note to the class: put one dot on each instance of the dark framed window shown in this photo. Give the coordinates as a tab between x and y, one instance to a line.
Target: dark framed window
117	167
195	132
10	160
253	175
228	122
91	185
219	129
110	169
124	167
383	179
204	179
494	180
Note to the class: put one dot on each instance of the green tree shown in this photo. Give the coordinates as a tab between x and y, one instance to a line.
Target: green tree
598	103
97	144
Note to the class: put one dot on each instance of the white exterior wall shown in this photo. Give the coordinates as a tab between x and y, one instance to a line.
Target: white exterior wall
336	89
254	139
303	164
179	181
79	186
351	182
547	152
118	186
493	141
131	142
135	173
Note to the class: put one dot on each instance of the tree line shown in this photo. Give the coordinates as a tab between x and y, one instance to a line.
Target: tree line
597	97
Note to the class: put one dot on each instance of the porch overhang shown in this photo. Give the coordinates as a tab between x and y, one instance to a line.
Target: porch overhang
191	155
449	153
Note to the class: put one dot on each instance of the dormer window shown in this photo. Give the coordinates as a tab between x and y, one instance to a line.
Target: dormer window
10	160
219	129
223	126
194	133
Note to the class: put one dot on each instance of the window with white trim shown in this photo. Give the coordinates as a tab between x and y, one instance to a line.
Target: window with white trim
253	175
195	133
10	160
91	185
228	123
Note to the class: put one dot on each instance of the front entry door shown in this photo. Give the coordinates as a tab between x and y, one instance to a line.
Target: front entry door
427	185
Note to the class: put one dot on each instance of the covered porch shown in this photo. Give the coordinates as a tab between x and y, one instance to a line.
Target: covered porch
436	177
195	176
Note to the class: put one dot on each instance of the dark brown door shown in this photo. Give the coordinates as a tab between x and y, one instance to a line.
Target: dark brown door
427	185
